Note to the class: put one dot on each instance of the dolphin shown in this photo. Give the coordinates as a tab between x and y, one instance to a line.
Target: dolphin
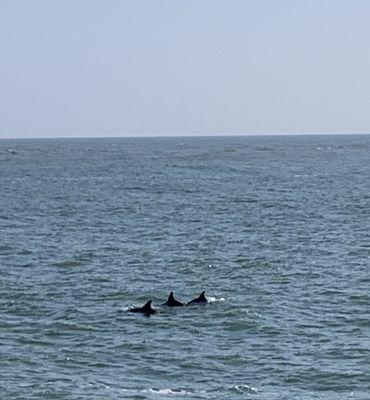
199	300
146	309
172	302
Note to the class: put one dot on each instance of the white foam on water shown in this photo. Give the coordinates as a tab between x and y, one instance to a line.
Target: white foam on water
214	299
167	391
125	308
244	388
163	392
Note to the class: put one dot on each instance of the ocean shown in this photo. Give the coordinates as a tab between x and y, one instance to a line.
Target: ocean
275	229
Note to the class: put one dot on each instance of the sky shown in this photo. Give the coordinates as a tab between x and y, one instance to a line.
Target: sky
183	67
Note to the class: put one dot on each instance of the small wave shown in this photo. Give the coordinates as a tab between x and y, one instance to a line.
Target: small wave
173	392
5	247
215	299
25	252
162	392
77	260
243	389
68	263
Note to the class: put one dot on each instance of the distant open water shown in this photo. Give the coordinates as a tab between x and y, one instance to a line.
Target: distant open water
275	229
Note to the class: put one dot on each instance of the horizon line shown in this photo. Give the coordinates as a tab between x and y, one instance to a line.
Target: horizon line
223	135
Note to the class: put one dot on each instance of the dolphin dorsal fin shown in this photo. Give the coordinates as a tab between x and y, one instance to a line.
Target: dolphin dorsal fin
147	305
170	297
202	296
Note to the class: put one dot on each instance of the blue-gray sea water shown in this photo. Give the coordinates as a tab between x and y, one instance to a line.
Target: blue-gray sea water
275	229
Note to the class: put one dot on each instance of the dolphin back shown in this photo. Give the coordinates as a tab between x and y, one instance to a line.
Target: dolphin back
146	309
172	302
201	299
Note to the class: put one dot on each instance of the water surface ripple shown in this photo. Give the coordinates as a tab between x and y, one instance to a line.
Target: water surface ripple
275	229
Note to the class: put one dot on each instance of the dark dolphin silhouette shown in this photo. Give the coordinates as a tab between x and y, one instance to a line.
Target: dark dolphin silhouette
199	300
146	309
172	302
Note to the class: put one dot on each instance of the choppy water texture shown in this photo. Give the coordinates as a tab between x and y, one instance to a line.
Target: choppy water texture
276	229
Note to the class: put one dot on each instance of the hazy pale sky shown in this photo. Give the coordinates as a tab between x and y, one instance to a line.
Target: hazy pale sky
171	67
